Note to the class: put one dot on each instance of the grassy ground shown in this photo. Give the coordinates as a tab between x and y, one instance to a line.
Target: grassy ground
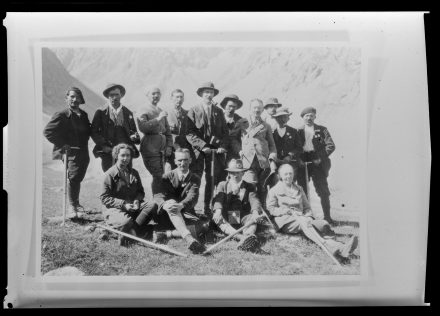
76	246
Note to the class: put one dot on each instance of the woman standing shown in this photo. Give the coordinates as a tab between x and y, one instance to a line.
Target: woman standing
123	195
69	131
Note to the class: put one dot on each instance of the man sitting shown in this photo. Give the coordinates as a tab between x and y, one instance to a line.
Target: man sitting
291	210
178	194
236	203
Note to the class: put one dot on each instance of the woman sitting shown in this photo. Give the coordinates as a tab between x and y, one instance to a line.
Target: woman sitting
291	210
123	195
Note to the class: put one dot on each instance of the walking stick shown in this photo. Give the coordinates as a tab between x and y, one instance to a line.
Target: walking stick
312	234
64	189
307	180
148	243
229	237
65	179
212	176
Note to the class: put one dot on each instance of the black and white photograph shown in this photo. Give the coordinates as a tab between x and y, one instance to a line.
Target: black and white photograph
201	160
161	163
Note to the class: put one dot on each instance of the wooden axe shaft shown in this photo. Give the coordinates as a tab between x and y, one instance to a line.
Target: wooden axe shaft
148	243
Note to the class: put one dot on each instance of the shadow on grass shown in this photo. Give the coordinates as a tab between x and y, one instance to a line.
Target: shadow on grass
346	223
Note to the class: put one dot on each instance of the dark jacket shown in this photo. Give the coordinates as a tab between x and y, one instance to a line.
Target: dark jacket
186	192
234	137
244	202
66	129
179	126
198	135
103	129
322	142
116	191
288	145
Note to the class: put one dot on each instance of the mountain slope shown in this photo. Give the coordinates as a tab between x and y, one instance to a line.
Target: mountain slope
56	80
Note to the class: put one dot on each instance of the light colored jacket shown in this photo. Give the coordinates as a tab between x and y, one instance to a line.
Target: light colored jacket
157	134
280	200
257	140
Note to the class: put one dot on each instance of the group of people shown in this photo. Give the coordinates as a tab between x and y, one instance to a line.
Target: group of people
260	173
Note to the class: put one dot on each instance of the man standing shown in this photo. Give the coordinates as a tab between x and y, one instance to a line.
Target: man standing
176	199
270	108
258	147
157	142
69	131
230	104
286	138
177	119
317	145
207	131
112	125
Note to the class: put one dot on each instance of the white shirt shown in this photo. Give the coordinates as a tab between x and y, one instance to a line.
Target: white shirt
207	109
229	119
182	175
115	112
235	186
309	133
281	131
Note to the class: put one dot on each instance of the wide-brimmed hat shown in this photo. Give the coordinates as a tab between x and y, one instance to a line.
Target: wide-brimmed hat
282	111
235	165
231	97
309	109
207	85
271	101
112	86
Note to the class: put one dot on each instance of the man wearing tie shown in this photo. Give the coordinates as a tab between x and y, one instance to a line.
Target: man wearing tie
112	125
207	131
259	153
177	119
176	199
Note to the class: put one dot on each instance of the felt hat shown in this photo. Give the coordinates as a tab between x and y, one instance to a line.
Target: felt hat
112	86
235	165
309	109
207	85
231	97
271	101
78	91
282	111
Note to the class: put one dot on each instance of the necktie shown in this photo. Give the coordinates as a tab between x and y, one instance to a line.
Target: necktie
208	120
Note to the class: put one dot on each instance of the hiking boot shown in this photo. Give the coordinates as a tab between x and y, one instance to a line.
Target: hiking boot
159	237
72	213
249	243
329	220
195	246
347	249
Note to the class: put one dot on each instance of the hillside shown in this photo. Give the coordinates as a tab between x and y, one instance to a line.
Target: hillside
56	80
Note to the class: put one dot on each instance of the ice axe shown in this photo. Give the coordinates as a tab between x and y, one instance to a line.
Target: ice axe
229	237
307	179
148	243
65	179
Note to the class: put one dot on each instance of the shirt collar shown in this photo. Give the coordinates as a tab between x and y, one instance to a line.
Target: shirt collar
112	109
230	119
180	174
